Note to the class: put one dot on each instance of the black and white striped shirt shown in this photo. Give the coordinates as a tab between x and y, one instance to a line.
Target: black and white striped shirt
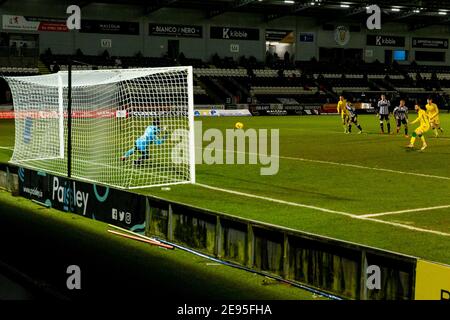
383	107
401	113
351	111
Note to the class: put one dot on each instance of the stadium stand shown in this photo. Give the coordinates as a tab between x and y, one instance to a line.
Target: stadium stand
229	81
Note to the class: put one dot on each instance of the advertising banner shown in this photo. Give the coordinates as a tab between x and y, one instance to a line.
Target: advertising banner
306	37
430	43
385	41
22	23
101	203
432	281
273	109
222	113
284	36
28	23
209	106
172	30
109	27
230	33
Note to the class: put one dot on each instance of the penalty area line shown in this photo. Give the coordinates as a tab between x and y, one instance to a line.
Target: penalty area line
289	203
347	214
372	215
350	165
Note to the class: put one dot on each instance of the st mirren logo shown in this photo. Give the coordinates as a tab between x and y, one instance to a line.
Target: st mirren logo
342	35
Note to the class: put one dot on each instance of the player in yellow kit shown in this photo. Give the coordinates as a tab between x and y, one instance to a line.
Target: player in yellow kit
424	127
433	115
342	109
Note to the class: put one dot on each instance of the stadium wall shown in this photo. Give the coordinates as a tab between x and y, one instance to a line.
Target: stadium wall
329	265
203	48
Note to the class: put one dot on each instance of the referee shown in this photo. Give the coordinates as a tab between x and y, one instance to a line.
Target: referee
383	113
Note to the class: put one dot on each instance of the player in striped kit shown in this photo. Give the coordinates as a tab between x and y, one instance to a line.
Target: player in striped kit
401	116
353	118
383	113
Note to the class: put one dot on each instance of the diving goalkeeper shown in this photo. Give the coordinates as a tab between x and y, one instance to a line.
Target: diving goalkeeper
152	135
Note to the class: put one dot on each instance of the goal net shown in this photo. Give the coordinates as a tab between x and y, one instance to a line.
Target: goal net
131	128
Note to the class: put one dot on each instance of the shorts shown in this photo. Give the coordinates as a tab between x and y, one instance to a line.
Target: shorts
401	121
384	117
354	119
143	153
422	129
436	122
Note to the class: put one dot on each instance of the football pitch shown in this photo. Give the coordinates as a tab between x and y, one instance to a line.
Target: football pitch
368	189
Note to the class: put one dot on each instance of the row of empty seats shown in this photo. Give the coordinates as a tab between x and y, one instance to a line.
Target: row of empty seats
84	67
339	90
217	72
283	90
214	72
19	70
409	89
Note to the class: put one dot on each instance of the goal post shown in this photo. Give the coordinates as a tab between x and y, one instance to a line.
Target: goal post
131	128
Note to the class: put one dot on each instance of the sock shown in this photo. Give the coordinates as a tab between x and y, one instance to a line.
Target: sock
423	140
129	153
382	127
359	127
350	128
413	138
406	130
389	127
398	129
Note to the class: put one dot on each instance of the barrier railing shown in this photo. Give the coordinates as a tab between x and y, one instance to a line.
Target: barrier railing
344	269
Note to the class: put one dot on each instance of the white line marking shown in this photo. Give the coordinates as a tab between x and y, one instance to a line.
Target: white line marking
404	211
7	148
395	224
289	203
423	175
295	204
370	168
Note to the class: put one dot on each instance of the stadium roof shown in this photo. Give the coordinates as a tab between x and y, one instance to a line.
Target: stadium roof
417	13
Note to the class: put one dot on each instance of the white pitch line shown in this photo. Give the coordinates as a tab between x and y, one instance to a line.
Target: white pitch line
423	175
7	148
295	204
289	203
372	215
439	233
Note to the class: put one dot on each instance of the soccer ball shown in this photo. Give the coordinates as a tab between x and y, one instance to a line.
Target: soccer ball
239	125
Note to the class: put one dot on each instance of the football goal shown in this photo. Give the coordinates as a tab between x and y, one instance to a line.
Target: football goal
129	128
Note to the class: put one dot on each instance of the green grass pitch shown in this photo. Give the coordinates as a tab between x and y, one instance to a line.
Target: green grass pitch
367	188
